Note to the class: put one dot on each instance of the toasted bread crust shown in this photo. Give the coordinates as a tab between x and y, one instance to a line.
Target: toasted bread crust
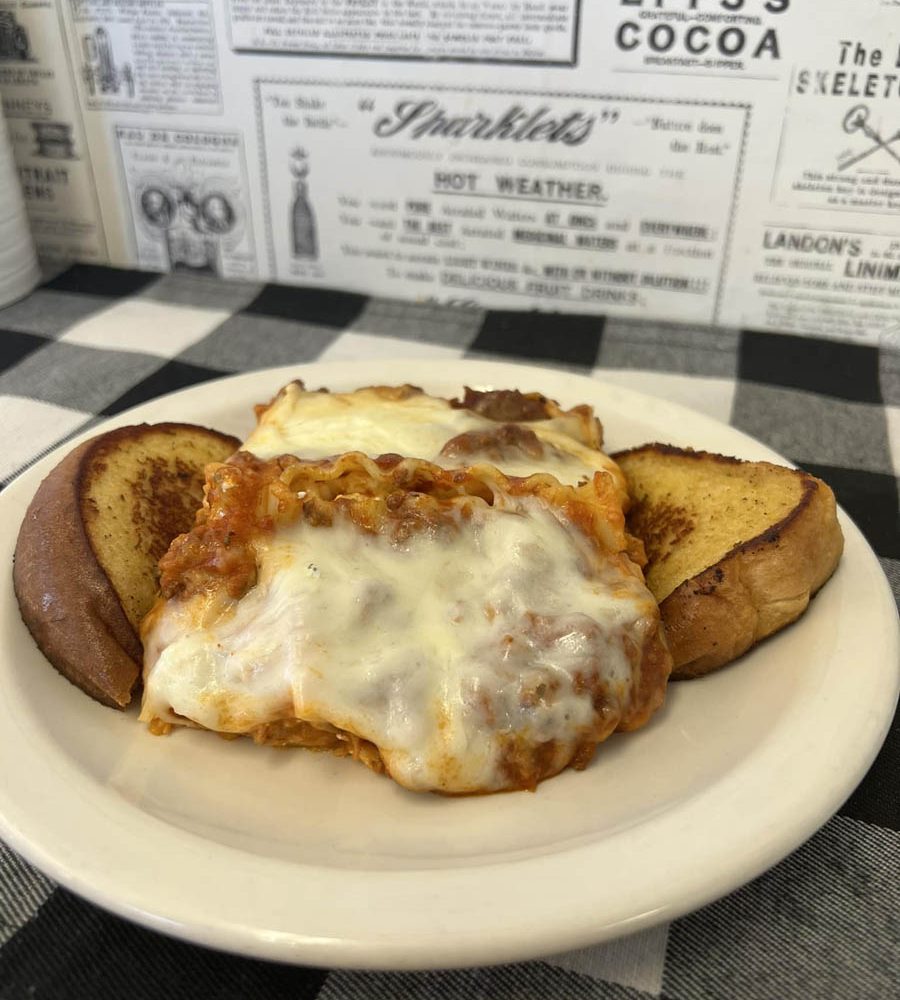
65	596
758	587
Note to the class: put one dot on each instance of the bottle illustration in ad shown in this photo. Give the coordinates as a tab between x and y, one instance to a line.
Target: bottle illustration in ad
304	238
191	225
101	74
14	44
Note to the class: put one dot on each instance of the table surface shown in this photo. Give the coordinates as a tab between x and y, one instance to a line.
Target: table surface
825	922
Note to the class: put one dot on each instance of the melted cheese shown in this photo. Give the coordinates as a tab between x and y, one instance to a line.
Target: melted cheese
438	649
316	425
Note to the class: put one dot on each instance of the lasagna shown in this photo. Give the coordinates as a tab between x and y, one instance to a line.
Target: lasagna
470	617
519	433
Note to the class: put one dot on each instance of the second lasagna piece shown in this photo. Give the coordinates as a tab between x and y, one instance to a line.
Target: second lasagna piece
461	630
520	433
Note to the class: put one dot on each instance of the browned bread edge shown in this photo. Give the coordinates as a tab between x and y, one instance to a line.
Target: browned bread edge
760	586
65	597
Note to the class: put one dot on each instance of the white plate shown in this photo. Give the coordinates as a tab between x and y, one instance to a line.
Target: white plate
307	858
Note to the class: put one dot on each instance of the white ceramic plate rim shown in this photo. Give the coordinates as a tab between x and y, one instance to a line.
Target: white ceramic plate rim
176	882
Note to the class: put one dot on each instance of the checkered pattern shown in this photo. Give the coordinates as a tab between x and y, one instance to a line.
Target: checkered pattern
823	923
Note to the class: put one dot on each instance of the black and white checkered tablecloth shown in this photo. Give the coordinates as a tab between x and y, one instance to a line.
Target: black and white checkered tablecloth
823	923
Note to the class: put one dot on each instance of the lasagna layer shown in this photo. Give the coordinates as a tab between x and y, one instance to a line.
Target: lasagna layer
462	630
520	433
